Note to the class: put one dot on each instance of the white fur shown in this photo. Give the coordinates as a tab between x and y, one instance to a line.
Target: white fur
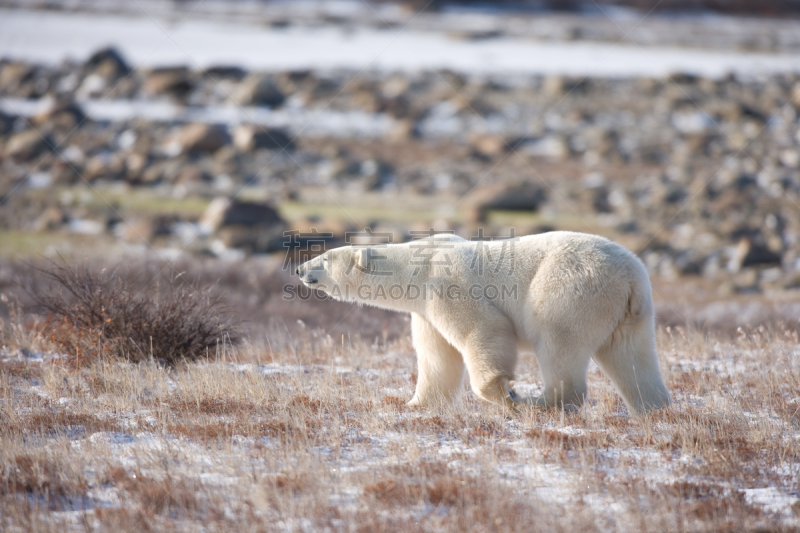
577	296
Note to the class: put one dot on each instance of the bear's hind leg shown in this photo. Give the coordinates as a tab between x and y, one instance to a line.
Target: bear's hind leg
440	367
629	359
563	366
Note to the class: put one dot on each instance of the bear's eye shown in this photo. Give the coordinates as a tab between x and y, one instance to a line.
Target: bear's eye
325	261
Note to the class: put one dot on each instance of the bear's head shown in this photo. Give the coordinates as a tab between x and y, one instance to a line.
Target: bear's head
338	272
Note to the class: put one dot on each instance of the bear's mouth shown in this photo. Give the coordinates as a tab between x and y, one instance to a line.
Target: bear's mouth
310	281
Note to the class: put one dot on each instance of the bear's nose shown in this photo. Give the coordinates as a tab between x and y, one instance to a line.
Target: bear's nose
297	271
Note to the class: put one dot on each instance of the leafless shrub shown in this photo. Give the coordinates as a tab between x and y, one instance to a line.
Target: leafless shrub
98	313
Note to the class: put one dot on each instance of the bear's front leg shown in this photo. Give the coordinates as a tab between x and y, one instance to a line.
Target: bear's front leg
489	345
440	367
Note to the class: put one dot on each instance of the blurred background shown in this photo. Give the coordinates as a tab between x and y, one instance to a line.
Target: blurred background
227	140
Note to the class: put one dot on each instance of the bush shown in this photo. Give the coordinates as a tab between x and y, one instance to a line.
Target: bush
93	314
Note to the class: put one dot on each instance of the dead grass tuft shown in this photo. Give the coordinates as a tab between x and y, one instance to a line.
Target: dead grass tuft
20	369
41	477
168	496
710	502
291	482
52	422
394	401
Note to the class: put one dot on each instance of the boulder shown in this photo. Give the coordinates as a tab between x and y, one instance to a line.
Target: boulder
223	212
106	63
13	75
252	226
225	72
377	174
27	145
63	114
6	123
523	197
51	219
553	147
135	165
174	82
249	137
487	146
750	253
197	137
104	167
258	89
193	174
403	131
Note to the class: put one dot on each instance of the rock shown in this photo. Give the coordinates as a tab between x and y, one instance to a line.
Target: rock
13	75
682	78
523	197
249	137
404	130
65	172
106	63
136	230
196	137
795	96
51	219
27	145
63	114
193	174
104	166
561	86
377	174
600	201
145	229
748	254
366	99
222	72
487	146
6	123
790	157
223	212
174	82
553	85
551	147
255	227
86	226
395	87
692	121
226	160
258	89
293	80
135	165
690	262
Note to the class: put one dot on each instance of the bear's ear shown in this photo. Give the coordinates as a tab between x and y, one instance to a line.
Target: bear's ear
362	259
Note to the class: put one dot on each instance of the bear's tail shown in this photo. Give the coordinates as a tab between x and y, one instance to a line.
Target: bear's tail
629	356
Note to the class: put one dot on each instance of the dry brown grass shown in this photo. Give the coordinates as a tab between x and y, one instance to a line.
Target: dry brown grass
274	440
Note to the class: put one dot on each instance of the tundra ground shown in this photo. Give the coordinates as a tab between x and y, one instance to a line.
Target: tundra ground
315	436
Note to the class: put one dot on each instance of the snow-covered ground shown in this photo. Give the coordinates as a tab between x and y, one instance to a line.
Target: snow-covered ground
150	41
309	122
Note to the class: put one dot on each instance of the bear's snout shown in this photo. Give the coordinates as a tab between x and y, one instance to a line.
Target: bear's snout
306	276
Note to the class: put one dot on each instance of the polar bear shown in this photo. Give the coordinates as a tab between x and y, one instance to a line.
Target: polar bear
567	296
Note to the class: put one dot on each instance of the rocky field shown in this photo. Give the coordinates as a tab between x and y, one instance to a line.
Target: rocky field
699	176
